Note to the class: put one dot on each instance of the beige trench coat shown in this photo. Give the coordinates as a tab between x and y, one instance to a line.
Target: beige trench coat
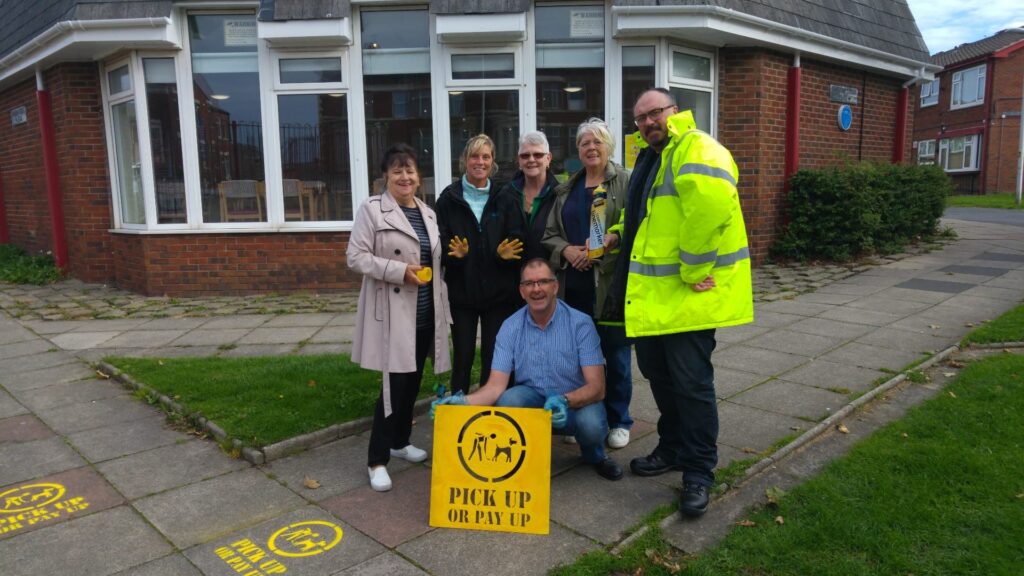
381	246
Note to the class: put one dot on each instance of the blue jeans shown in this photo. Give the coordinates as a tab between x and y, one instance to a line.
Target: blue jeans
683	384
618	375
588	424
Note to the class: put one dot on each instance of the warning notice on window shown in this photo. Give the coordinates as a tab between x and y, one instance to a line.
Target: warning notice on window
492	469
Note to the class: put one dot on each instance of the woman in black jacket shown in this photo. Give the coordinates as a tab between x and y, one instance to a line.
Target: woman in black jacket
532	187
485	233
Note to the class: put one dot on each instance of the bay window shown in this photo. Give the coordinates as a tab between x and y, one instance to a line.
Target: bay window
959	154
968	87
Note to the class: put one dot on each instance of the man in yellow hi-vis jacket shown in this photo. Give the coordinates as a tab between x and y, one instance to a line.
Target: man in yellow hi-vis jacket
688	273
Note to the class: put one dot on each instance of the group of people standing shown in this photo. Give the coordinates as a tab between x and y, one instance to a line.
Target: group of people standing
460	266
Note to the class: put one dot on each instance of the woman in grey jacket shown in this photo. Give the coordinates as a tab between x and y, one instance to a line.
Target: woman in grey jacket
584	281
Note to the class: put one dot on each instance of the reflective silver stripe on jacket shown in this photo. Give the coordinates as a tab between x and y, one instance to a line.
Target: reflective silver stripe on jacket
707	170
695	259
661	270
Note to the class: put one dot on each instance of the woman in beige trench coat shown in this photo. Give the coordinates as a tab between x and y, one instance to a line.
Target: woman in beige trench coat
403	312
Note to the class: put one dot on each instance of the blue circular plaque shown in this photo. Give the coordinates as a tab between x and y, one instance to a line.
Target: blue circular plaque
845	117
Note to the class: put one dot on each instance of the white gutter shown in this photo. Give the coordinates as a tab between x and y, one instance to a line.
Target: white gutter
727	14
31	52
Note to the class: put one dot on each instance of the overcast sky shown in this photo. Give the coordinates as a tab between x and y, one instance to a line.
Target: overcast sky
947	23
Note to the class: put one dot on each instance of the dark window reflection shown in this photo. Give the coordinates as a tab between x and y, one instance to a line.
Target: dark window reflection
315	163
637	76
165	139
491	112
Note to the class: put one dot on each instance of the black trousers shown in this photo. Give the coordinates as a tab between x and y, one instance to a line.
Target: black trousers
464	341
394	431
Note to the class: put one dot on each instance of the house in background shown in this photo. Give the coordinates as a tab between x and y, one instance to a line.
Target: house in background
968	119
200	147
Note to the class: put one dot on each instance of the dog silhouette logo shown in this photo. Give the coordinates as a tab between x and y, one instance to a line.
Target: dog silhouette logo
492	446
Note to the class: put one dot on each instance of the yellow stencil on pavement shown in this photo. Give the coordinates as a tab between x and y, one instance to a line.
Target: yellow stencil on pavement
29	496
307	538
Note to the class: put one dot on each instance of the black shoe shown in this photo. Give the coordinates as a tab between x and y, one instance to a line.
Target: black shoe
694	501
608	469
651	465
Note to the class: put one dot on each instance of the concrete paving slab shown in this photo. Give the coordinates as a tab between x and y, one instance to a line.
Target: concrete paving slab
1000	256
861	316
95	413
143	339
338	466
43	502
82	340
827	298
471	552
912	295
123	537
334	334
387	564
9	406
766	319
831	328
141	474
729	382
205	337
96	354
210	509
278	335
249	350
24	348
836	376
343	319
975	270
36	458
23	428
735	334
46	327
46	375
307	541
112	441
13	334
950	324
879	303
846	287
872	356
116	325
237	322
55	395
908	340
797	342
390	518
942	286
172	324
294	320
995	293
318	349
170	565
794	307
745	427
983	308
180	352
757	360
792	399
603	510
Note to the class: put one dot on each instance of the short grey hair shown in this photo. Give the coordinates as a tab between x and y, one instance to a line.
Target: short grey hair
599	128
535	138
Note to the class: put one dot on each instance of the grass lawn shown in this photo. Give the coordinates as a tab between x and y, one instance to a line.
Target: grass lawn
266	399
1007	328
984	201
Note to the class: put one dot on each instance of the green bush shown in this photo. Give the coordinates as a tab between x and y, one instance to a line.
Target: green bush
840	213
19	267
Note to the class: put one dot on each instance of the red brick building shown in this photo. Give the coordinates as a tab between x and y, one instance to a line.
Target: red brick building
968	119
205	147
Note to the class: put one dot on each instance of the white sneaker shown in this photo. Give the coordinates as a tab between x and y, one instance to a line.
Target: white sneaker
568	439
410	453
379	479
618	438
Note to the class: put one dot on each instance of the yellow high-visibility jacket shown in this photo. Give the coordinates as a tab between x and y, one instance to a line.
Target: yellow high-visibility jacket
693	229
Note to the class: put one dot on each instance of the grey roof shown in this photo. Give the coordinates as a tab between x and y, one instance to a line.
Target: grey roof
885	25
304	9
479	6
985	46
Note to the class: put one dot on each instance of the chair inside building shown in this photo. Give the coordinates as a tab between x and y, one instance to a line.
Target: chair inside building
241	201
295	201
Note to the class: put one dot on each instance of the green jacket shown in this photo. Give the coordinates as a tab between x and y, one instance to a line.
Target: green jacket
616	185
692	228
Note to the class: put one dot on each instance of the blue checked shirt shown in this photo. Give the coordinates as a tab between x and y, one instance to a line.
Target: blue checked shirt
549	360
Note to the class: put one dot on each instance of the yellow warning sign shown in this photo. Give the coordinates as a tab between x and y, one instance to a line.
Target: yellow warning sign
630	150
492	469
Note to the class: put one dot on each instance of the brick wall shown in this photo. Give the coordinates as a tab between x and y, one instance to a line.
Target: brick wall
1004	133
21	160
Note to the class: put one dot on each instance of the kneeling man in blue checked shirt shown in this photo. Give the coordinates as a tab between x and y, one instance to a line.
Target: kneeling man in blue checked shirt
555	354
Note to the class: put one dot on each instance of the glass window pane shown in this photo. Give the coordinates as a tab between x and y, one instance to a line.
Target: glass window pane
165	140
482	66
228	122
569	23
126	159
691	66
391	29
697	102
637	76
565	98
315	155
306	70
492	112
119	80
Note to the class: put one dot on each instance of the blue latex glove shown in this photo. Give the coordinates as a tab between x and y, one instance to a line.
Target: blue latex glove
559	407
457	399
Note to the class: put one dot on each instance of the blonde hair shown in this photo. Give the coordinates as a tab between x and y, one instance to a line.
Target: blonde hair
598	128
473	146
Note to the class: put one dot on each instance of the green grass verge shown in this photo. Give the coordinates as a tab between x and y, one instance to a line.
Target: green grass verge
263	400
18	267
984	201
1007	328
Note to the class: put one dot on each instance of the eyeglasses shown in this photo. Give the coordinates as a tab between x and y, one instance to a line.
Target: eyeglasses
543	283
534	155
651	115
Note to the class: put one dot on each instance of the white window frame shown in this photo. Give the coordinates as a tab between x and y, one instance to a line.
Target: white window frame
109	101
930	93
948	145
284	54
928	158
709	86
956	94
517	66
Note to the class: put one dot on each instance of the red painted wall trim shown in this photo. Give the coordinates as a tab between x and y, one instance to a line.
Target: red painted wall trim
899	139
792	155
52	170
5	234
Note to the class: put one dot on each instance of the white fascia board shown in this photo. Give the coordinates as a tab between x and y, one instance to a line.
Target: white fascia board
306	33
459	28
733	28
65	40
